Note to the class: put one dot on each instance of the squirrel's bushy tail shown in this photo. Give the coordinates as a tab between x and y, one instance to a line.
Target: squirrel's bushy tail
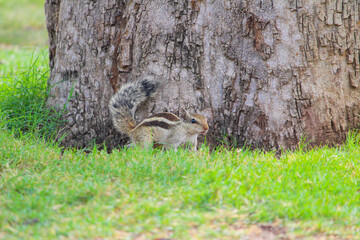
124	103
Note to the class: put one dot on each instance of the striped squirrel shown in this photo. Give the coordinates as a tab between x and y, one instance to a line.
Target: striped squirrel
162	129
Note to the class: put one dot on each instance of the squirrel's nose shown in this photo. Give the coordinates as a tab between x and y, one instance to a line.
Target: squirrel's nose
205	129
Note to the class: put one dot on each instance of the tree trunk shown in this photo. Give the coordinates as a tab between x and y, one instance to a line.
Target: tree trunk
265	72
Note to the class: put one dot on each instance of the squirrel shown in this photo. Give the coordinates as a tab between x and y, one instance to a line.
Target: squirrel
160	130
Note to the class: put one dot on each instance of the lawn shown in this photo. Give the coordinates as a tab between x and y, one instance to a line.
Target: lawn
48	192
22	22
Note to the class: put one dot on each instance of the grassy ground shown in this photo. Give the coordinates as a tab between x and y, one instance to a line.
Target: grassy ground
47	192
15	58
23	93
22	22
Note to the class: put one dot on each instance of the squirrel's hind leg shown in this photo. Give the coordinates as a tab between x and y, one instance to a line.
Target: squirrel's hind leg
143	139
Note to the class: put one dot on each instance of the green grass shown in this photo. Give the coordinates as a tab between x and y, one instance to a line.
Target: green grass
22	22
47	193
14	59
23	94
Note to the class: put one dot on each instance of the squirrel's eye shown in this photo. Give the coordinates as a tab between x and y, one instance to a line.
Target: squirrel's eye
193	121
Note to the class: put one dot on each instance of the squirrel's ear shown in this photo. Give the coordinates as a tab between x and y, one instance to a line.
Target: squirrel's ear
184	114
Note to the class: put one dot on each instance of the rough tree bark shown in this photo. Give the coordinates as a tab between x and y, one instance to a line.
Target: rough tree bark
265	72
